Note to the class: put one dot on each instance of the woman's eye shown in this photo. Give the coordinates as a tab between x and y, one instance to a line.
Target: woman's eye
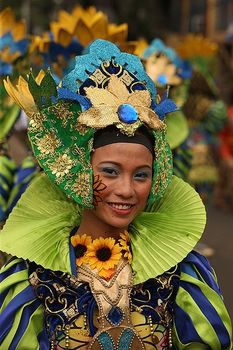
142	175
109	171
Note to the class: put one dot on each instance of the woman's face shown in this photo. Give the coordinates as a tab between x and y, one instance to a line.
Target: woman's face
126	171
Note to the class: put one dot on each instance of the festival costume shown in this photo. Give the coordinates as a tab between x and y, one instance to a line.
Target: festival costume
168	297
167	69
206	112
13	178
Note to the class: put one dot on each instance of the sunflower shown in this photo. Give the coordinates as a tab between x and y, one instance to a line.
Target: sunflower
107	274
80	244
103	254
125	246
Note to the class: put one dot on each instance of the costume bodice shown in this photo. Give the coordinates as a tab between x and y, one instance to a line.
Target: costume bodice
76	317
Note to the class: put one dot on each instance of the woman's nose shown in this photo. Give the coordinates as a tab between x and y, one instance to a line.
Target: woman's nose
125	188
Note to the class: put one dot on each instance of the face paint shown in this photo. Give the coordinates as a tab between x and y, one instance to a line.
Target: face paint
123	181
98	187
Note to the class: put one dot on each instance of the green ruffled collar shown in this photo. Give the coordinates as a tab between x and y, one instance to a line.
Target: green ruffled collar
39	227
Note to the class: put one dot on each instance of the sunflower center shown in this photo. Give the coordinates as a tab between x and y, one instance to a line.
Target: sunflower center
104	254
80	250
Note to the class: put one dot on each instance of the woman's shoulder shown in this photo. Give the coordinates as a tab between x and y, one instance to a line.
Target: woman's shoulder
21	313
198	267
200	316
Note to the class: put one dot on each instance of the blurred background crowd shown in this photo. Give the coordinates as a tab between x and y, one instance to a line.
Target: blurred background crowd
186	47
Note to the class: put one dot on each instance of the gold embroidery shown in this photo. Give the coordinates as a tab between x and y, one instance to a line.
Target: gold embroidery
82	129
36	122
81	185
61	111
61	166
48	143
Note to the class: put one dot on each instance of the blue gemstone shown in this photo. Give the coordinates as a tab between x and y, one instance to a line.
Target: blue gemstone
162	79
127	113
115	315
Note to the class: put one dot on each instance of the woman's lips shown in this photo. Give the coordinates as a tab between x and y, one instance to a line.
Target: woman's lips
121	208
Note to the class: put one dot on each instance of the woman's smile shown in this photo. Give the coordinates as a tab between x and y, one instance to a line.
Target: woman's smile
121	208
125	169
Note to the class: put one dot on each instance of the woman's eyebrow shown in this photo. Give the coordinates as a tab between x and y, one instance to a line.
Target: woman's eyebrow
109	162
119	164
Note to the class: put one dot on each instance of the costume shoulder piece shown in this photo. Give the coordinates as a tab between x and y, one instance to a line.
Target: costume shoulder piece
173	226
41	227
201	320
19	307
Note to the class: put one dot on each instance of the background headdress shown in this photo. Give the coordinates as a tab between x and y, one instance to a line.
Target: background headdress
106	87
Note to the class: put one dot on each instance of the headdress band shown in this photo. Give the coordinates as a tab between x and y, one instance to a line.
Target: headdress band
111	135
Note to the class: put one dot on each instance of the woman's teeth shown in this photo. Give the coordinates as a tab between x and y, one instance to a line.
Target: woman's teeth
120	206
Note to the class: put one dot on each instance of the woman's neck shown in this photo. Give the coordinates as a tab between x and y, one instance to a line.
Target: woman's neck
97	228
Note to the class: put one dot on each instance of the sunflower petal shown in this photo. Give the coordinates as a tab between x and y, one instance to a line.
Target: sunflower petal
107	274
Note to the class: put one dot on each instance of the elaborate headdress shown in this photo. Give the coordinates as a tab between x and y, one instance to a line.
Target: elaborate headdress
106	87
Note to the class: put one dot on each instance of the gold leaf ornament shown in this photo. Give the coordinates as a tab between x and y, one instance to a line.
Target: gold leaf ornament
106	103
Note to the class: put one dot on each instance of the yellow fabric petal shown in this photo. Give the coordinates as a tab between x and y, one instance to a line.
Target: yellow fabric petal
77	12
63	17
91	11
55	27
61	35
6	20
83	32
21	95
140	46
64	38
19	30
117	33
99	26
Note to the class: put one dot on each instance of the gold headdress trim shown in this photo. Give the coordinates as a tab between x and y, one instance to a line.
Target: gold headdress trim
106	102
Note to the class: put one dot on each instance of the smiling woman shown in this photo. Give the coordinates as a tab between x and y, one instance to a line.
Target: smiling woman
126	171
104	257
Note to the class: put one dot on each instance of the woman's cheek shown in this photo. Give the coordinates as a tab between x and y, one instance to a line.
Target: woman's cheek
99	188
